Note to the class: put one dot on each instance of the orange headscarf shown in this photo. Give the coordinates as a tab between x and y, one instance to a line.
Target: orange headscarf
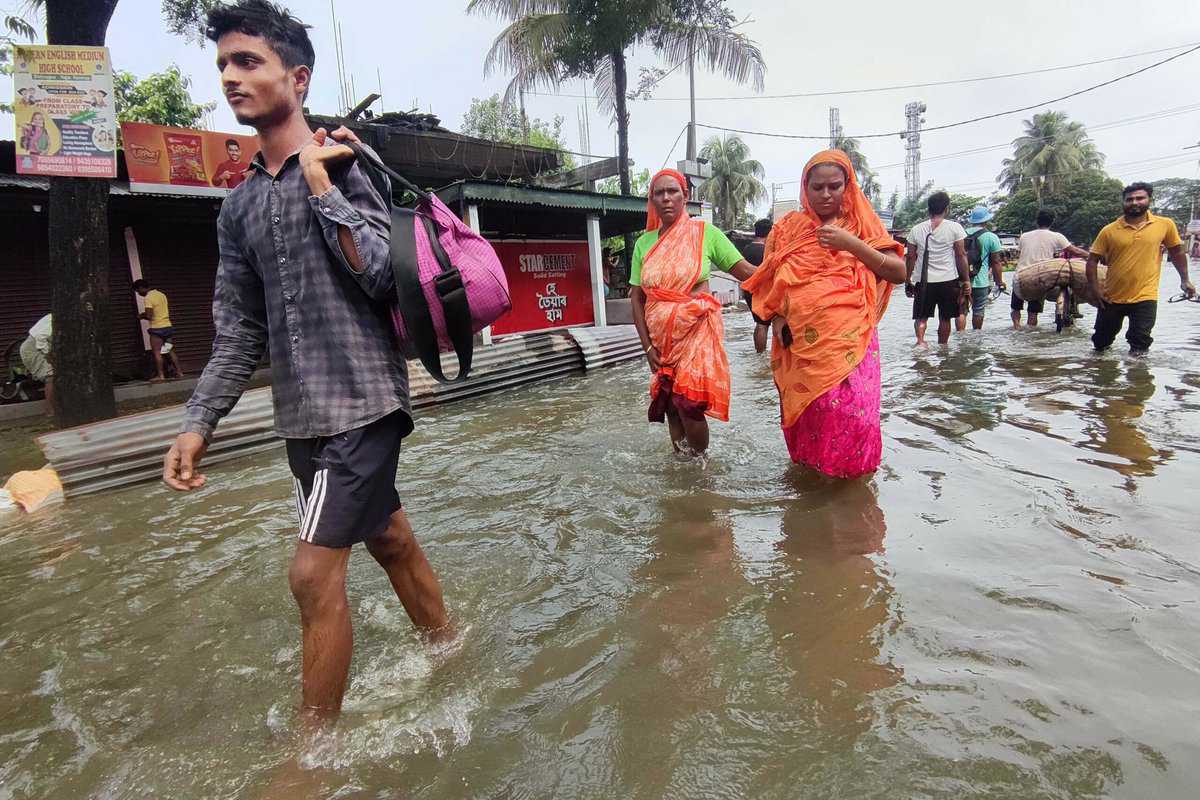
830	300
653	222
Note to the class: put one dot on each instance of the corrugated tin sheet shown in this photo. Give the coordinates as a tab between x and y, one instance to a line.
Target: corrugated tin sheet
603	347
596	202
128	450
118	188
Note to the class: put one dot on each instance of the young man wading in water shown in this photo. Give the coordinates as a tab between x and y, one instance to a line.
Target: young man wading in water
305	268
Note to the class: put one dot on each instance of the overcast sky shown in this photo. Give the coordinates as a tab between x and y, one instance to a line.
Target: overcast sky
430	55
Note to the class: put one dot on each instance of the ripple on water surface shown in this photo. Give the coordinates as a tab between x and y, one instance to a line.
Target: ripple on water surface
1007	609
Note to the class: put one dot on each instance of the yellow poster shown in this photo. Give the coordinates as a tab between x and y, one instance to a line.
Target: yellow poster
66	122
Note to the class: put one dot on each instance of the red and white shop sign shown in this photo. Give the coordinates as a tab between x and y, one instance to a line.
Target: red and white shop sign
550	284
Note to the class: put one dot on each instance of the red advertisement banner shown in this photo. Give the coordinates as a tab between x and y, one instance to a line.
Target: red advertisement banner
185	161
550	283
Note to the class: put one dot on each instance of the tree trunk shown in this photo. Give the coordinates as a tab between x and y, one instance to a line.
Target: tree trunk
78	249
621	83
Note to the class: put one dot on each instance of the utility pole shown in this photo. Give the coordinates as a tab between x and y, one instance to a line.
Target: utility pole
691	131
835	127
913	117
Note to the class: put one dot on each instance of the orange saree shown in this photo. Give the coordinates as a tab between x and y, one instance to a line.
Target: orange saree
686	329
831	303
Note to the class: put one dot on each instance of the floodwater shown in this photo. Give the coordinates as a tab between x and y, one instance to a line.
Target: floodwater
1010	608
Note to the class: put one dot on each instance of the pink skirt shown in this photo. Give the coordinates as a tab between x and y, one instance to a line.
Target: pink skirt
839	434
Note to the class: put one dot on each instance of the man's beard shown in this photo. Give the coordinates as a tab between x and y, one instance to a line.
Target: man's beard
266	119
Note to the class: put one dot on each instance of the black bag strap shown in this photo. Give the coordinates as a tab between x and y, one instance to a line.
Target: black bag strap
924	283
410	297
369	158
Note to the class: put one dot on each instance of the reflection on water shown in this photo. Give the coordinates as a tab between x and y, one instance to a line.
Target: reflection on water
831	601
1114	414
1010	608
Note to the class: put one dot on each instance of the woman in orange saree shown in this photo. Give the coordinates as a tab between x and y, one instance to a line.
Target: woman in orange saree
677	318
825	282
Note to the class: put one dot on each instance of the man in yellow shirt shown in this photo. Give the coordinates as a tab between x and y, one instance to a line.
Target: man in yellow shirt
158	314
1132	247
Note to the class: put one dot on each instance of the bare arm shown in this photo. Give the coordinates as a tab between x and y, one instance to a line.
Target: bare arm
1093	279
637	302
1179	259
1078	252
960	258
741	270
997	270
910	261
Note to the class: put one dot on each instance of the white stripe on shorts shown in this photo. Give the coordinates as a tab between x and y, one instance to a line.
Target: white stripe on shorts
316	502
299	490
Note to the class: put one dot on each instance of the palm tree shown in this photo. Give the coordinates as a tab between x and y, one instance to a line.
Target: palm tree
736	181
867	180
1051	149
541	47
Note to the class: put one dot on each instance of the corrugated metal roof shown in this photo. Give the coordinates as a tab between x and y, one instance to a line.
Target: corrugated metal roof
485	191
119	188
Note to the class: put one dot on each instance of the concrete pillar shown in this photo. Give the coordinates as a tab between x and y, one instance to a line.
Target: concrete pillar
472	221
596	265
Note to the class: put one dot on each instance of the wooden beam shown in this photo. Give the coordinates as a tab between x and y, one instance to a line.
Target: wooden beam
588	174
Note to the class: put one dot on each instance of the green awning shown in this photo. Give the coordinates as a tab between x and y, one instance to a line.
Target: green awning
483	192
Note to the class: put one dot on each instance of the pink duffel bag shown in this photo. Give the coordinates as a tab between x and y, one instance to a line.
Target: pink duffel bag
449	282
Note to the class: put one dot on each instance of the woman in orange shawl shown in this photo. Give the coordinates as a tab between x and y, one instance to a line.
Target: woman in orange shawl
825	281
677	318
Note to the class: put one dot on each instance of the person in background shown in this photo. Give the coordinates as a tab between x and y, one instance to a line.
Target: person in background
752	251
985	265
936	253
232	171
35	355
305	269
1132	248
676	316
1041	244
158	313
825	283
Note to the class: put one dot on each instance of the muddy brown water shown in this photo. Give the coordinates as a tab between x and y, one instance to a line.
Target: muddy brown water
1010	608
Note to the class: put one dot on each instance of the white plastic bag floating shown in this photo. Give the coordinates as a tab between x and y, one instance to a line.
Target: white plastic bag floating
7	503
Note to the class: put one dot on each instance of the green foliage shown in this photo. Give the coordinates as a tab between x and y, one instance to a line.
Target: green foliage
640	184
1176	197
186	17
736	181
495	120
961	205
548	41
160	99
17	28
893	201
910	212
1052	150
867	180
1082	205
913	210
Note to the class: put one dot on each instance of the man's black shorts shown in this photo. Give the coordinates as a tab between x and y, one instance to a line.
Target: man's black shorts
346	484
1035	306
945	296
